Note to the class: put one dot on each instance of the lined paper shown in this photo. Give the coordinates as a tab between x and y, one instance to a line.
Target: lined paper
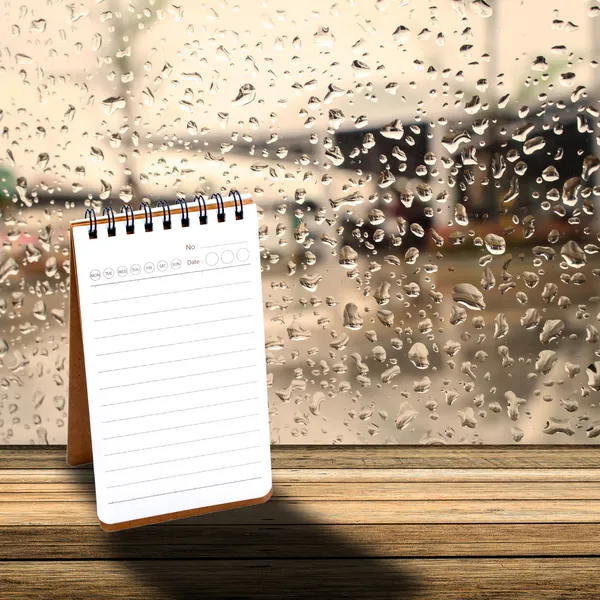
173	337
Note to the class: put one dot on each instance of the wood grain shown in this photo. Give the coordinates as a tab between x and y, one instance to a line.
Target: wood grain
380	522
336	513
83	475
185	540
369	457
417	579
355	492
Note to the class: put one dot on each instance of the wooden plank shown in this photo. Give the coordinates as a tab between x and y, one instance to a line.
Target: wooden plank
179	541
395	518
334	512
432	475
46	476
36	457
366	457
358	492
330	476
446	457
450	579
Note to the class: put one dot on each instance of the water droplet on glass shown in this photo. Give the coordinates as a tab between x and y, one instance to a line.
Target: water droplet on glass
419	355
469	296
406	415
38	26
552	330
246	94
113	104
495	244
393	130
573	255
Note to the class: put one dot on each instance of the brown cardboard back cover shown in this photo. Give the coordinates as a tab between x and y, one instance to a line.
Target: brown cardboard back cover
79	440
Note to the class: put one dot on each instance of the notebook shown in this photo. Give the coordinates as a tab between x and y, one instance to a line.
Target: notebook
167	390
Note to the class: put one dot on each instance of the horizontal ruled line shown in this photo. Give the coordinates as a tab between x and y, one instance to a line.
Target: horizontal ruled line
103	337
122	385
162	462
166	310
201	487
221	268
116	437
178	360
217	337
206	287
256	462
216	437
219	387
219	245
170	412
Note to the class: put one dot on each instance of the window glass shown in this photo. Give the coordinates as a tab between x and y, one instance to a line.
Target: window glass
426	173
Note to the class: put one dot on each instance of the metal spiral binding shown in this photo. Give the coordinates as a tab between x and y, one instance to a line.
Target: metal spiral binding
220	207
239	212
148	226
90	214
129	226
185	215
166	211
112	229
127	210
202	208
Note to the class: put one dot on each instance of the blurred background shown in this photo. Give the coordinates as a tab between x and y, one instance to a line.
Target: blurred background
426	175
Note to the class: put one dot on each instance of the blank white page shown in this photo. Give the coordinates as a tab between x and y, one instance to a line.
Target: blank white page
173	336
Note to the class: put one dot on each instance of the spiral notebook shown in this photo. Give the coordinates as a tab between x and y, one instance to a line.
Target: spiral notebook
167	390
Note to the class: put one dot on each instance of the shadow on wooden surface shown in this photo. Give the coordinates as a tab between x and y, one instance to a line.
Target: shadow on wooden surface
175	576
311	576
457	523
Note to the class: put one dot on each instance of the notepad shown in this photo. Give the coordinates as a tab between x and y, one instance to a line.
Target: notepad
167	312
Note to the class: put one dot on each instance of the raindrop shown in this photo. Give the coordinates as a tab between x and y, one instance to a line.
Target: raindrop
573	255
419	355
552	330
38	26
113	104
393	130
390	373
452	142
495	244
406	415
469	296
324	38
351	317
42	160
246	94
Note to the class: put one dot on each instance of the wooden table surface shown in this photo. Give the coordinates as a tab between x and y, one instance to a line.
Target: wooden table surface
344	522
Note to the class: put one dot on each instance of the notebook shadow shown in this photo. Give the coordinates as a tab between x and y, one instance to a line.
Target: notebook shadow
275	550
